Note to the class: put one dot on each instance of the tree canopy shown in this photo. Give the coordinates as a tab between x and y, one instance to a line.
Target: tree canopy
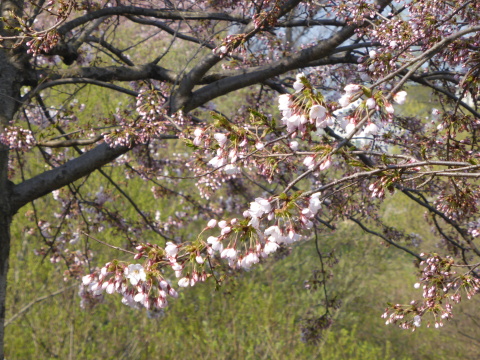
263	123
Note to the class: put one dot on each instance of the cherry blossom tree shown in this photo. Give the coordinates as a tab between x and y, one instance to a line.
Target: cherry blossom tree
331	147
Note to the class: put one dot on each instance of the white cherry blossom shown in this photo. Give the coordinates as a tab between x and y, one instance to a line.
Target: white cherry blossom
171	249
400	97
318	112
135	273
221	138
259	207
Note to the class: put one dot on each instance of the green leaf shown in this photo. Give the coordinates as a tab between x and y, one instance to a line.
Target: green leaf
367	91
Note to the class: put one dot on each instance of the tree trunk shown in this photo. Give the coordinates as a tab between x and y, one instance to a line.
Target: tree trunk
5	215
11	70
5	221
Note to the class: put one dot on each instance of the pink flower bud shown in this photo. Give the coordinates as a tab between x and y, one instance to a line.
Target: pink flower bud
226	230
352	88
400	97
172	292
222	224
212	223
371	103
184	282
389	108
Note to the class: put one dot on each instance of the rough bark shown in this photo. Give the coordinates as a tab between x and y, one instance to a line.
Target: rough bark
9	92
11	66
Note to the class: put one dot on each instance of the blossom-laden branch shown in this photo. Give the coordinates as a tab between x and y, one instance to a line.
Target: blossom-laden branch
284	218
442	288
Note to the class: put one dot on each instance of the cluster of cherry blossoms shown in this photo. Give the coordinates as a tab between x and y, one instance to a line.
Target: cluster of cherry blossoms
347	116
229	44
262	242
42	44
17	138
442	287
242	243
474	228
225	164
307	111
265	15
222	159
152	122
139	288
360	113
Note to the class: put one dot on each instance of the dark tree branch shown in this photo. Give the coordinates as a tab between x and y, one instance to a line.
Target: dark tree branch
331	60
297	61
310	23
170	31
364	228
113	73
53	83
445	236
449	221
421	80
117	52
70	142
65	174
183	96
305	59
134	204
155	13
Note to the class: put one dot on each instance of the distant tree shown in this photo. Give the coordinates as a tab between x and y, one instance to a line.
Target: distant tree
333	153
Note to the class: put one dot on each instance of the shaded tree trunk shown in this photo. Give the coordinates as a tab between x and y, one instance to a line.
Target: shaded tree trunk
5	214
7	109
10	83
5	221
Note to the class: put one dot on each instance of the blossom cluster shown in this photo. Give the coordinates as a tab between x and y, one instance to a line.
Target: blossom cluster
242	243
222	150
373	112
42	44
442	287
259	242
152	122
17	138
137	289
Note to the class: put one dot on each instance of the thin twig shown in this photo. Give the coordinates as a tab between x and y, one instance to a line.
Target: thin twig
109	245
37	300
